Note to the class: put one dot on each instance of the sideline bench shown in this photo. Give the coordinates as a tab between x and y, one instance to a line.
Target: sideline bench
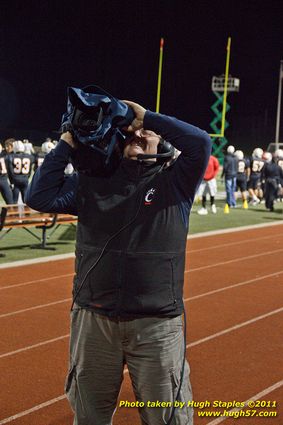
21	216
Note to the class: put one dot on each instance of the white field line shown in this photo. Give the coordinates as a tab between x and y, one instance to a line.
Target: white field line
185	300
216	335
20	263
235	327
12	313
194	236
234	229
30	282
225	288
30	347
186	271
235	260
32	409
255	397
224	245
268	390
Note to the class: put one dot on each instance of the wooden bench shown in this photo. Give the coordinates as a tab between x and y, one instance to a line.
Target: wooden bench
21	216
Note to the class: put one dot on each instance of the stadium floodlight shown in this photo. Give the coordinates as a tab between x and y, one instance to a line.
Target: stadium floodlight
273	147
224	83
218	84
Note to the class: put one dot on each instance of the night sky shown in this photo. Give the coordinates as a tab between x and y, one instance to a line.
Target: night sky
47	46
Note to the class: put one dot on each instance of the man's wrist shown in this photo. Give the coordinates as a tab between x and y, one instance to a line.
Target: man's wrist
67	137
63	149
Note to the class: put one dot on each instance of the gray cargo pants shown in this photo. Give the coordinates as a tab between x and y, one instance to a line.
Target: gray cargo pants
152	349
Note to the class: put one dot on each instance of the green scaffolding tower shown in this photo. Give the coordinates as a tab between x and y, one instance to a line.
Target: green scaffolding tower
219	140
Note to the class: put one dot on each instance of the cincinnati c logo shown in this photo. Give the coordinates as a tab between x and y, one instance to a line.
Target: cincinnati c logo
149	196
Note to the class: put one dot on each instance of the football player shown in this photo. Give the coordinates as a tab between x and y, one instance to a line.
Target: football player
254	183
5	188
46	147
8	144
271	178
243	174
19	169
278	157
29	149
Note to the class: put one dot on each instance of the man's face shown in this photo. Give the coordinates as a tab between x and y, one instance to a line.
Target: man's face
141	142
9	147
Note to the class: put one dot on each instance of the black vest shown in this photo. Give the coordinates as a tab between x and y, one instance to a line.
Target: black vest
141	271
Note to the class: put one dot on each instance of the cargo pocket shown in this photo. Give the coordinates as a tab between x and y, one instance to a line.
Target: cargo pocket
71	387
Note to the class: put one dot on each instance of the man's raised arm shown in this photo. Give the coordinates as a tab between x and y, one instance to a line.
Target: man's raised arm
50	190
195	147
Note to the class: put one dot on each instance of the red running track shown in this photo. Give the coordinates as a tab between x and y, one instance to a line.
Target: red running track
233	297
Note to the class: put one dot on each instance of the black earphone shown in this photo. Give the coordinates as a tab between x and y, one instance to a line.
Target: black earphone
165	153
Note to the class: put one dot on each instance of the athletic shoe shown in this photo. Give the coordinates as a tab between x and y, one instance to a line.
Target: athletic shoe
213	209
202	211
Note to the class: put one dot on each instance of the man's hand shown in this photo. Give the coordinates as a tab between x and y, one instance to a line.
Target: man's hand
68	138
139	111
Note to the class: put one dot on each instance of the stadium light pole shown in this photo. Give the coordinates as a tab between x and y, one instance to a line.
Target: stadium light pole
279	106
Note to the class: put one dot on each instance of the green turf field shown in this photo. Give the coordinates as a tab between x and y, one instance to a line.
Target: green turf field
17	244
20	245
237	217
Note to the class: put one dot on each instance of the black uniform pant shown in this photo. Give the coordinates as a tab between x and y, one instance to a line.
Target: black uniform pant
6	190
270	192
20	186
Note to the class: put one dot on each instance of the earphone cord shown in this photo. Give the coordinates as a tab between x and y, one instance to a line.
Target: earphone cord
95	264
182	370
108	241
103	250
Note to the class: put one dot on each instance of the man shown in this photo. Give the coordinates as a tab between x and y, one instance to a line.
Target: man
243	173
29	149
254	184
19	169
278	157
209	186
130	256
46	147
271	177
8	145
229	172
5	188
